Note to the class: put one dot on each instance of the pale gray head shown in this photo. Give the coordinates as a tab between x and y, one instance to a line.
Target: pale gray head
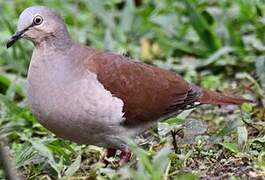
39	23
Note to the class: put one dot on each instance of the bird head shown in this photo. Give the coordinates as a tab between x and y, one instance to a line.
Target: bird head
38	23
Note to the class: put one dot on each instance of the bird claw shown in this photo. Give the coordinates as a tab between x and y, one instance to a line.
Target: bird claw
124	156
110	153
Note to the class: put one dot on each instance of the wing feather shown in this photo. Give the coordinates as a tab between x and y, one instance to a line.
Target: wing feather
148	92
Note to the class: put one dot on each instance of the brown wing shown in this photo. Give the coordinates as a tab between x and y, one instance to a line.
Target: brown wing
148	92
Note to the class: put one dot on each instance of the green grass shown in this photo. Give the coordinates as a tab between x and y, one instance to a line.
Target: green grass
216	44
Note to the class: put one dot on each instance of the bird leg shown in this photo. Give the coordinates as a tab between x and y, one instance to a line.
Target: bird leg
174	142
111	152
125	156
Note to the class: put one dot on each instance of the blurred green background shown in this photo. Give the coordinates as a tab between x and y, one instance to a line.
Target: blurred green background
218	44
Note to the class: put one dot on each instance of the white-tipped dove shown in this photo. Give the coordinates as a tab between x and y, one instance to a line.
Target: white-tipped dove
99	98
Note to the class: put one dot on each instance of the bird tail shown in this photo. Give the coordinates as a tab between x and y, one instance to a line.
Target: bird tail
215	98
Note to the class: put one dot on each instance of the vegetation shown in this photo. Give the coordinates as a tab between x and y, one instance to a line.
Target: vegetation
218	44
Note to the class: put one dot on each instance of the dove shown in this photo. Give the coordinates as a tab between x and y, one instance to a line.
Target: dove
99	98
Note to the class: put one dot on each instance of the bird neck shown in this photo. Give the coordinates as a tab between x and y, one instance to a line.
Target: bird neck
58	41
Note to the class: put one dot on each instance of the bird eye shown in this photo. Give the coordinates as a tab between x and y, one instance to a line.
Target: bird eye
37	20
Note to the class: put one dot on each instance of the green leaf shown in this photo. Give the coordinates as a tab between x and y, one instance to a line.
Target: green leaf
186	176
261	160
247	8
109	42
246	107
127	16
71	170
143	157
167	23
4	82
242	138
204	30
230	127
235	38
215	56
46	152
174	121
160	162
24	154
260	68
98	8
231	147
258	140
61	148
12	84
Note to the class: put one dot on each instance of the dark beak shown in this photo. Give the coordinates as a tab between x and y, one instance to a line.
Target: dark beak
17	36
14	38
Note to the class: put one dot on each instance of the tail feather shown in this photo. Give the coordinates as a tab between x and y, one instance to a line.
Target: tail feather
215	98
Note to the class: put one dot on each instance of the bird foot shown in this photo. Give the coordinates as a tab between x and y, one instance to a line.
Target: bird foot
125	157
110	153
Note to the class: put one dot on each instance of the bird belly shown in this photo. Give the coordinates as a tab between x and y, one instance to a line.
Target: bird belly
82	111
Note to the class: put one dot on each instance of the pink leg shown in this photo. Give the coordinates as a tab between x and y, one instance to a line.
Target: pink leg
125	156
